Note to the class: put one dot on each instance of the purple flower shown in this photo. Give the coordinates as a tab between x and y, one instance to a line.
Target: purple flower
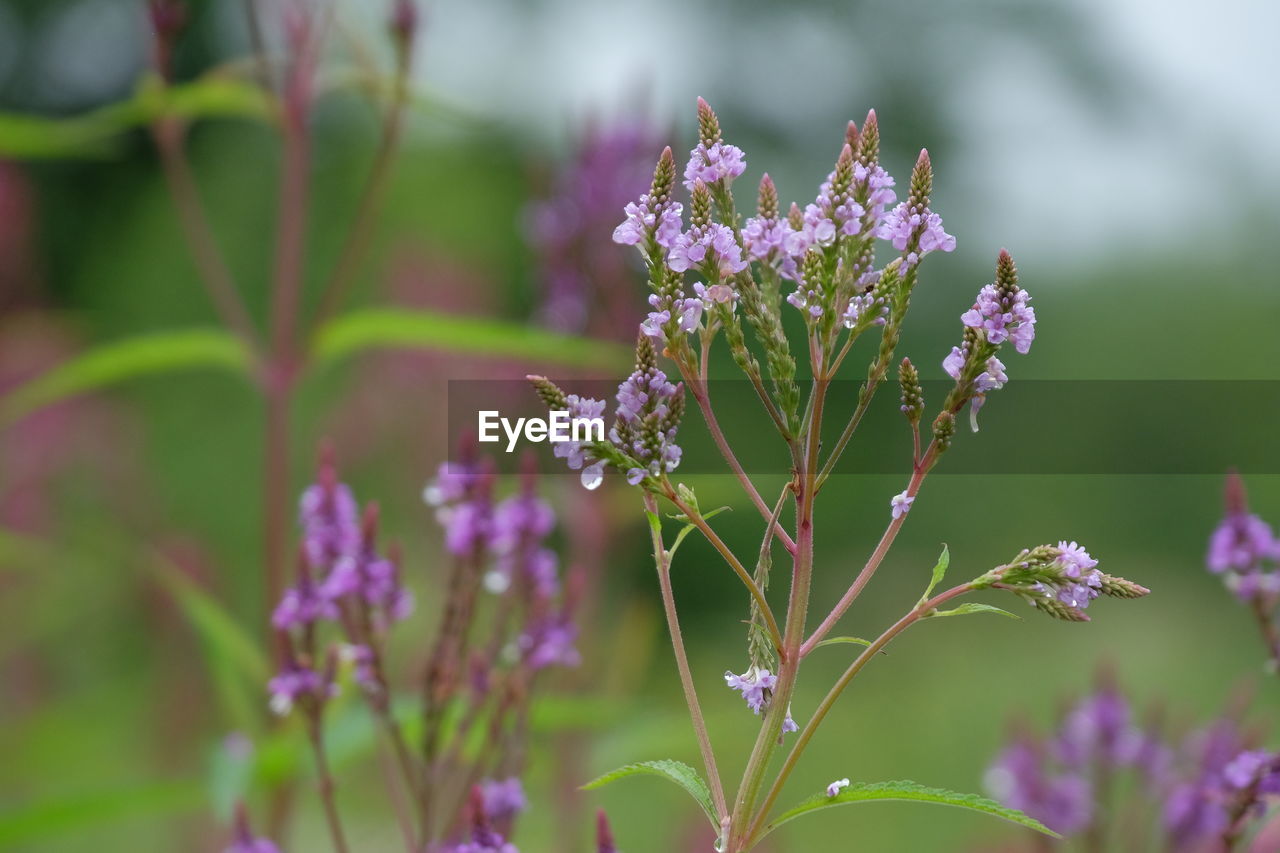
302	605
1074	558
503	798
835	787
1003	317
252	845
1248	768
330	520
766	241
923	229
990	379
1019	779
1098	729
361	659
577	454
878	185
864	306
1240	542
550	643
900	505
293	683
756	686
713	244
520	524
721	161
647	218
646	422
460	494
808	301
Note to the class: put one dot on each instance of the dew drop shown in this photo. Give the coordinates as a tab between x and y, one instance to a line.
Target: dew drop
593	476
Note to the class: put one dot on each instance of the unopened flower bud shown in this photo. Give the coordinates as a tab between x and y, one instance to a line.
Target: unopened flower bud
912	393
1122	588
767	204
944	429
869	140
550	393
708	124
921	182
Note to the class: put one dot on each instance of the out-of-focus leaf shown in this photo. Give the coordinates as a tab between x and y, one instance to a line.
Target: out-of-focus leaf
400	328
237	663
51	818
906	790
160	352
93	133
18	551
974	607
673	771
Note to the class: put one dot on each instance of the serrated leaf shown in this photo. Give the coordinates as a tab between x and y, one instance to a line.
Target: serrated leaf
673	771
939	571
398	328
974	607
907	790
118	361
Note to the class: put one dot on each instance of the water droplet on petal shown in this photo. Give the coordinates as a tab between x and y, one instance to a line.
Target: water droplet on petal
593	476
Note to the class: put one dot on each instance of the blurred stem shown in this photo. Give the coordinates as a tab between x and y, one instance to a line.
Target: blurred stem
275	497
357	243
662	560
326	783
1268	628
917	613
698	386
876	558
208	258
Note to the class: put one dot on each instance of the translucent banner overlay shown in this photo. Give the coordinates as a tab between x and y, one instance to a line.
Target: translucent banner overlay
1029	427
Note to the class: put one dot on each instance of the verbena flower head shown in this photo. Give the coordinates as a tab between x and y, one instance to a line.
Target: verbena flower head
1061	580
655	219
1245	551
550	642
1021	779
719	161
329	517
461	494
756	686
298	682
503	798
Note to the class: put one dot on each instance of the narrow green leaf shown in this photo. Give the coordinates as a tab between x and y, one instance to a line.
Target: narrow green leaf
689	528
44	820
160	352
237	663
93	134
974	607
399	328
939	571
907	790
831	641
674	771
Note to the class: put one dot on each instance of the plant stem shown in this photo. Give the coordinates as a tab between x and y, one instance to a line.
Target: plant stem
1268	628
806	734
326	783
660	558
208	258
876	558
698	386
770	734
357	242
698	521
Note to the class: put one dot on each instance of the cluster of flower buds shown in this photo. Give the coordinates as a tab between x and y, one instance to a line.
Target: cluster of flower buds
1000	314
341	579
1205	788
1059	579
1244	550
588	283
641	443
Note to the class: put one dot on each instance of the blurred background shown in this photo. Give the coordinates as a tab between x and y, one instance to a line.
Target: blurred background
1123	151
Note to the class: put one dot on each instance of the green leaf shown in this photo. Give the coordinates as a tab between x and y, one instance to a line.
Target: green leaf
159	352
236	661
689	528
907	790
674	771
939	571
398	328
831	641
974	607
93	134
53	818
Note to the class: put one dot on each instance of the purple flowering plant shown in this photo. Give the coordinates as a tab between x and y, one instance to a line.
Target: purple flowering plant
506	618
1245	552
717	274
